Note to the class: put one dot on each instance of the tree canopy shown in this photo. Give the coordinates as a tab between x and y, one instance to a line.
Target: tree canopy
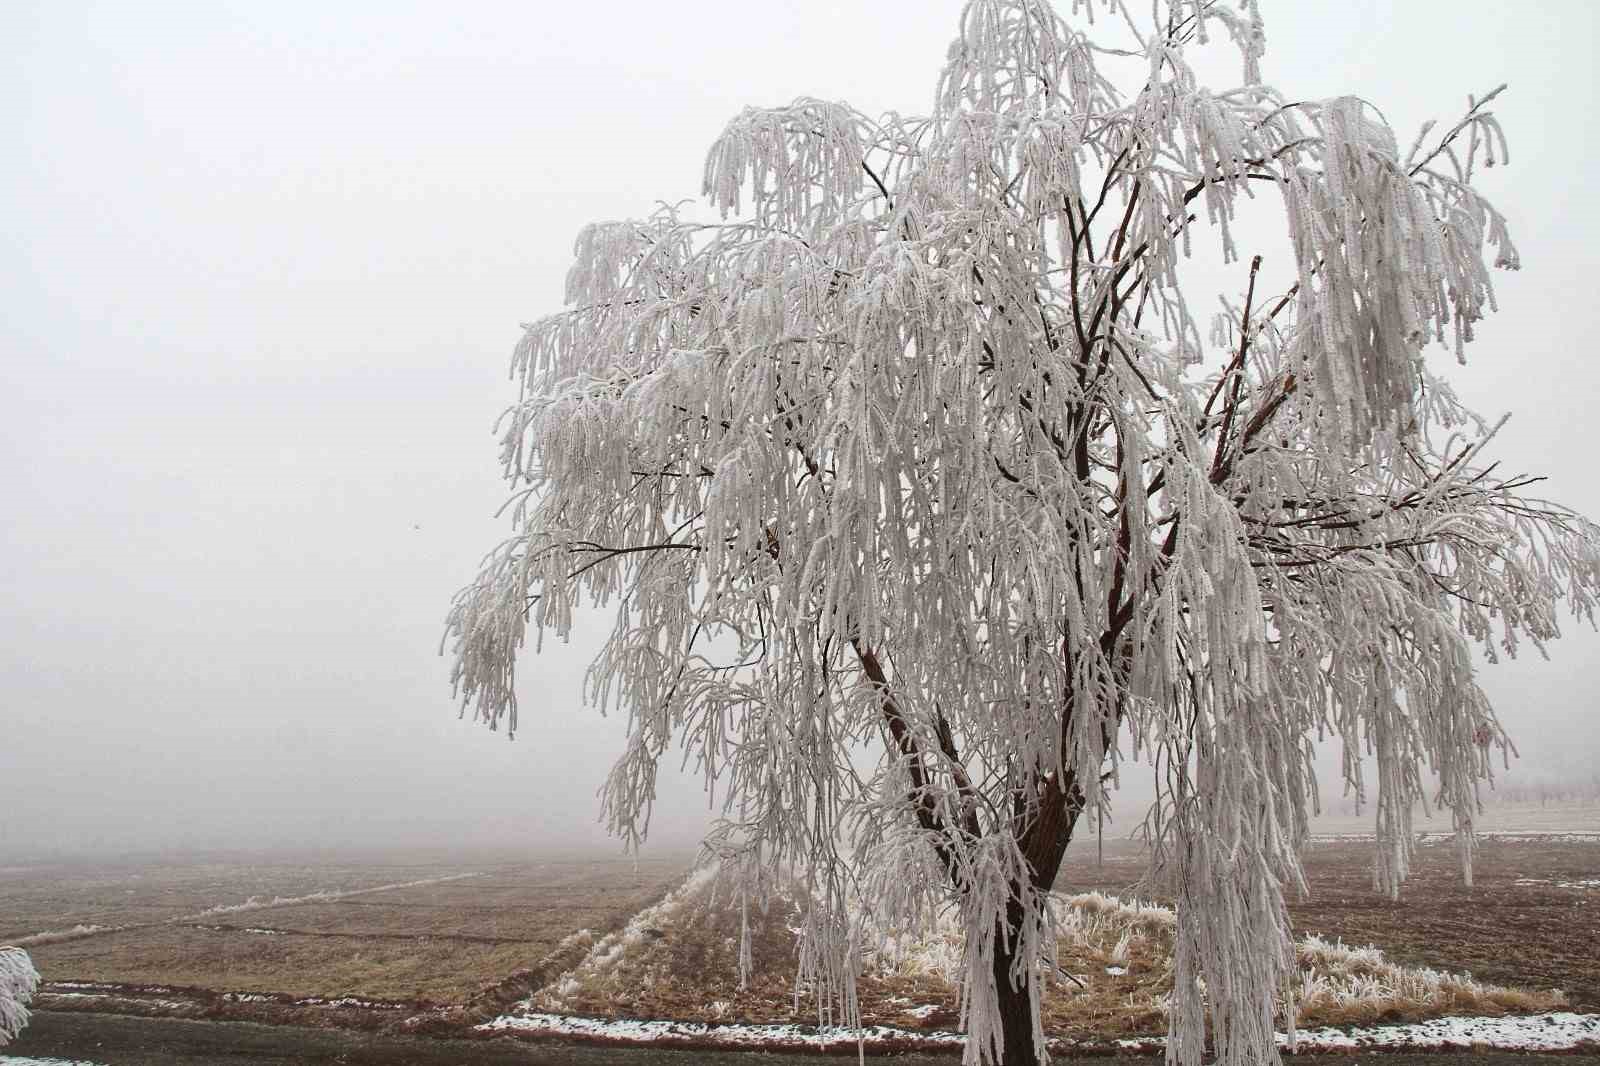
926	495
18	981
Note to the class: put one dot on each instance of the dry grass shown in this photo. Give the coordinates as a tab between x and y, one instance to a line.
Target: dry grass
1342	985
1515	926
680	960
1539	935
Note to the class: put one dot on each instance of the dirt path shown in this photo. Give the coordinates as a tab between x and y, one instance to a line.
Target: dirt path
116	1040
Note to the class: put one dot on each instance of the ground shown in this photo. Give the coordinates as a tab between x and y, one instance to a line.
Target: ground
421	934
380	943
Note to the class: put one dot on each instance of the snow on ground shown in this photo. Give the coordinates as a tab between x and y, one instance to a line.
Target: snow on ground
1539	1032
51	936
19	1060
744	1036
111	998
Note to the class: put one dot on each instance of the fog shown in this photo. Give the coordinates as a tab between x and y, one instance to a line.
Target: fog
263	268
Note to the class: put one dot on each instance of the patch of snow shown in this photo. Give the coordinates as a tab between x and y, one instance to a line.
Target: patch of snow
61	988
256	904
925	1011
21	1060
1116	971
1540	1032
366	1004
643	1032
347	1001
55	936
1537	1032
77	994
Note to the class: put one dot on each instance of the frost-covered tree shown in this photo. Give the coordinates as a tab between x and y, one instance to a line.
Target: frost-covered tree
924	501
18	982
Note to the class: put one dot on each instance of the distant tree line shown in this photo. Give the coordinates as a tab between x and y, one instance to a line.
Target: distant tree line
1517	790
1545	789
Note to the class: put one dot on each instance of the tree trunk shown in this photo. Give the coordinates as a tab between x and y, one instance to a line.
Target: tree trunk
1016	1012
1044	843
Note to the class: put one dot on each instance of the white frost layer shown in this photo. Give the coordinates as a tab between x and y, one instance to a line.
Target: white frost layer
255	904
730	1035
1539	1032
77	932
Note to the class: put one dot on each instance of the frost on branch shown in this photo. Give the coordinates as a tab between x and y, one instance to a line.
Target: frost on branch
18	981
920	505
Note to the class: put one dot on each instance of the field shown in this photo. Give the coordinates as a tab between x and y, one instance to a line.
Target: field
403	933
1525	939
1527	921
424	945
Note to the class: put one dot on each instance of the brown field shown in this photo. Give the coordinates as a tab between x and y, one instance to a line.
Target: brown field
429	944
509	929
62	895
403	969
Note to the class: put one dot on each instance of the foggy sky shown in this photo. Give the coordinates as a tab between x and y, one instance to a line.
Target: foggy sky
262	271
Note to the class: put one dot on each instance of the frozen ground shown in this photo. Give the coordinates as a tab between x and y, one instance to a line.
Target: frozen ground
1540	1032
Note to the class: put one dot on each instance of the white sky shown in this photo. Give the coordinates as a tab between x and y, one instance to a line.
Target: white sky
262	270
